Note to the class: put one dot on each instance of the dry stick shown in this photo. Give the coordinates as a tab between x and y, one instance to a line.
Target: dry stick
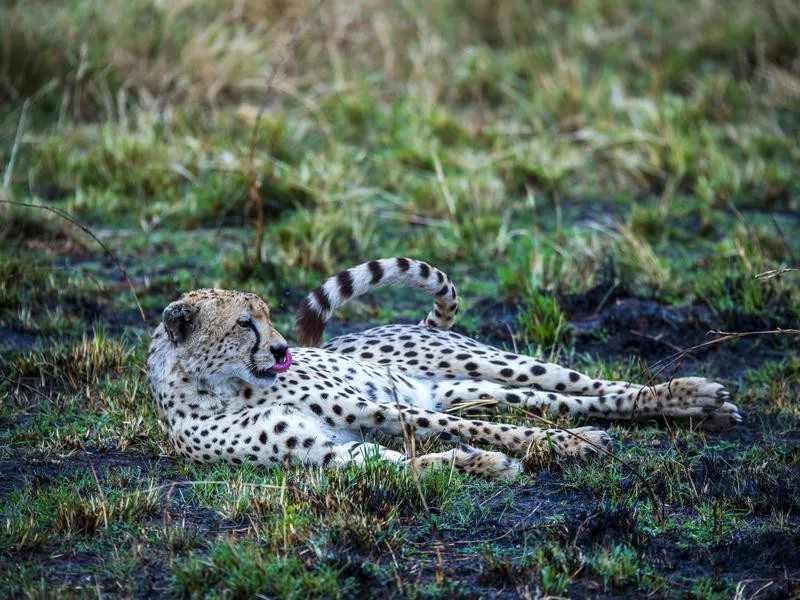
409	444
658	508
255	194
91	234
19	383
726	336
23	119
784	241
774	273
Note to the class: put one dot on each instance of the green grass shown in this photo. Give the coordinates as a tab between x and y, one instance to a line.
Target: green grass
604	181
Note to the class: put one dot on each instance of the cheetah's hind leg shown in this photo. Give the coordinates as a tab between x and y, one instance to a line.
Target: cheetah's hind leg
689	398
464	459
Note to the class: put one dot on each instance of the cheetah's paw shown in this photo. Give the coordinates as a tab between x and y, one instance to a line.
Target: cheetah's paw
725	417
475	461
581	442
691	397
485	463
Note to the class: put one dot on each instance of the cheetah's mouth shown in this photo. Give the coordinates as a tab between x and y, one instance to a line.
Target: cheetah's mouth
285	363
278	367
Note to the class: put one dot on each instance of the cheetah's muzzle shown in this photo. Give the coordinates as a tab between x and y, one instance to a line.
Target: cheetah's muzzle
282	364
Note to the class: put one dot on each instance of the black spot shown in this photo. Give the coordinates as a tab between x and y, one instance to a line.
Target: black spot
538	370
507	372
423	422
424	270
281	427
263	437
403	264
248	391
573	376
316	408
291	442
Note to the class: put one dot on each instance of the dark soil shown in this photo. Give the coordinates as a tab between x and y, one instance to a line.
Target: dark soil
608	325
30	470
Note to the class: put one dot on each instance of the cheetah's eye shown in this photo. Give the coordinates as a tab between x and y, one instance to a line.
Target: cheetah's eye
244	322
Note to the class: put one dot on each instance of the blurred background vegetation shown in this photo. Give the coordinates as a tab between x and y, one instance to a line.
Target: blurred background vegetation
571	142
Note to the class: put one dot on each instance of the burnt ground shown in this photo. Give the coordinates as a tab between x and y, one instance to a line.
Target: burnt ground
552	510
608	324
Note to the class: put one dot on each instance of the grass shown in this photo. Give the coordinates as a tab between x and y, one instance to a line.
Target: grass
604	181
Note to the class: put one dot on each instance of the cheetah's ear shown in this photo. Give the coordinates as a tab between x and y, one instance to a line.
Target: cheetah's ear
180	319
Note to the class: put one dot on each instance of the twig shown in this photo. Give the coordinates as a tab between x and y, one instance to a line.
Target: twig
653	338
657	508
410	444
513	339
726	337
175	484
255	184
23	118
89	232
774	273
787	246
19	383
102	495
448	197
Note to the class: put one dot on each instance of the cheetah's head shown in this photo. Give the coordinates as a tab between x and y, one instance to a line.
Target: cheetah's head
220	336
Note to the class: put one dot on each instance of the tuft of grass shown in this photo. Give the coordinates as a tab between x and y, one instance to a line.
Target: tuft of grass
543	322
75	366
244	569
548	567
82	515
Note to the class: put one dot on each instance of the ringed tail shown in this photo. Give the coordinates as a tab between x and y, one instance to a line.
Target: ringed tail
319	305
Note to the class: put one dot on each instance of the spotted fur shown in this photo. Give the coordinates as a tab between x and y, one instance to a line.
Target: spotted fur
212	367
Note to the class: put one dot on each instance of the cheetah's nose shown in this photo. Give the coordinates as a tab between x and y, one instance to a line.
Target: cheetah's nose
283	358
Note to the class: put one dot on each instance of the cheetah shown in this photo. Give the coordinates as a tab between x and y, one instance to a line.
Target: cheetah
228	388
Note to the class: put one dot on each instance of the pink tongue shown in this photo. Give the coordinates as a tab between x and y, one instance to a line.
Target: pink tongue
282	366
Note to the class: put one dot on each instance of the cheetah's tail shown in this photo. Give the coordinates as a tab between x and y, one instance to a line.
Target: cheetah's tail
318	306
